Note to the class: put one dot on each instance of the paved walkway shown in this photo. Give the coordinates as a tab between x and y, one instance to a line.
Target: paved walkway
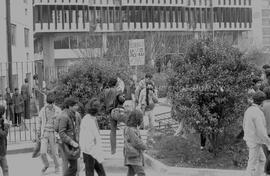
24	165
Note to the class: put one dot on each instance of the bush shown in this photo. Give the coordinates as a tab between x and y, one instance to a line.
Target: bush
160	80
86	79
209	87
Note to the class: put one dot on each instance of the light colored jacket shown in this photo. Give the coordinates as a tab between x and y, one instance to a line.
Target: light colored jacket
140	87
153	99
42	118
254	125
90	139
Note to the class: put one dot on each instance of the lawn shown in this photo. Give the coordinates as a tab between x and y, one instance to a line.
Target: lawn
180	152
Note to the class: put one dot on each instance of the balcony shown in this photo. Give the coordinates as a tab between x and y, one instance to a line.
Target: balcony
76	53
60	2
59	28
153	3
232	27
239	3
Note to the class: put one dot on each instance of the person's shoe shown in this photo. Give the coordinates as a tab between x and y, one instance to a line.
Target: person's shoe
44	169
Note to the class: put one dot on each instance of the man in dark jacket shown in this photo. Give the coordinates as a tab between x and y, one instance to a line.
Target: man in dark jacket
68	131
3	142
10	107
26	94
118	115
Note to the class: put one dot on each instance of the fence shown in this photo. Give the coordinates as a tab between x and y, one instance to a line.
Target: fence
28	130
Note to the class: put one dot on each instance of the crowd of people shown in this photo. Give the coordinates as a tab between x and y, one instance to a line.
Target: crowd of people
73	136
17	104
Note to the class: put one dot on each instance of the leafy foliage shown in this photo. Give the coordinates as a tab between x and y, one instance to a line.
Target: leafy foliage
86	79
208	87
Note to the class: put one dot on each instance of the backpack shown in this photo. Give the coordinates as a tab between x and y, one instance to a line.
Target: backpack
119	114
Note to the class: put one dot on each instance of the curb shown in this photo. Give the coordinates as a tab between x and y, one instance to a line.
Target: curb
13	149
162	168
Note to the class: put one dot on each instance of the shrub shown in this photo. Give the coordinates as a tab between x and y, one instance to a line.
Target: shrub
86	79
208	87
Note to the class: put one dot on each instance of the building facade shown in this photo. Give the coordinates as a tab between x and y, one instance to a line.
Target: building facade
61	27
21	40
262	25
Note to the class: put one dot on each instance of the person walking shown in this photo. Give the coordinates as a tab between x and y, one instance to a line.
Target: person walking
118	115
10	107
18	107
141	85
78	110
266	111
147	102
26	94
255	135
46	125
109	100
69	136
3	142
90	140
133	145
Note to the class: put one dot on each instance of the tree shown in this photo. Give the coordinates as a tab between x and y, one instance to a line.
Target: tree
208	88
86	79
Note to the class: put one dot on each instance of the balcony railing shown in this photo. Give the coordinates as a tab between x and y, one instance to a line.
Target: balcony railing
60	2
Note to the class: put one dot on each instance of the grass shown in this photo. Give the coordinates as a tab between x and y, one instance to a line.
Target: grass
180	152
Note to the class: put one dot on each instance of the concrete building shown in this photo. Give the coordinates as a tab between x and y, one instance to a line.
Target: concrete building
261	28
62	27
21	39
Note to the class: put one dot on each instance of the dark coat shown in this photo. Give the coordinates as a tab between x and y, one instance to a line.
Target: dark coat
3	140
25	90
68	123
18	102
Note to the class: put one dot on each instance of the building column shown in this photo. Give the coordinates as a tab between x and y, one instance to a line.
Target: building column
48	56
104	44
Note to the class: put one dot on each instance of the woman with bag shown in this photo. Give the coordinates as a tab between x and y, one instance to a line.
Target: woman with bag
90	140
133	145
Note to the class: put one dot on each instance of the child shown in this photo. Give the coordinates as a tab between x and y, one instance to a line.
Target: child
3	142
133	145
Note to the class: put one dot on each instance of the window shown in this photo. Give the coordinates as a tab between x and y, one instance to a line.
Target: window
266	31
266	22
13	34
26	37
266	13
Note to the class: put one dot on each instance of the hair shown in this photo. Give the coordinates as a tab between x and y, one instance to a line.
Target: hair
267	92
258	97
26	80
50	98
68	102
256	80
135	118
93	106
16	89
266	66
118	101
2	111
148	75
112	82
267	72
147	92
